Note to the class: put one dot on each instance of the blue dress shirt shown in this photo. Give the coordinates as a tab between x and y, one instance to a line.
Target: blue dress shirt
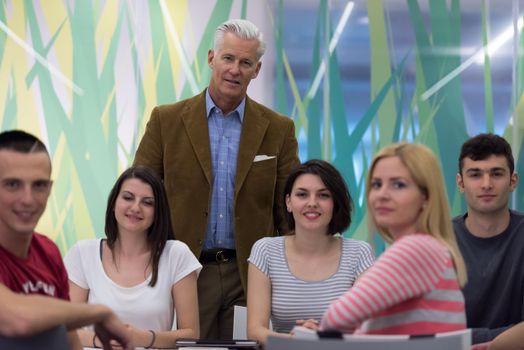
224	138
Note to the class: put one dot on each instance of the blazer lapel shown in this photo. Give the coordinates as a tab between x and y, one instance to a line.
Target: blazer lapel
195	121
253	130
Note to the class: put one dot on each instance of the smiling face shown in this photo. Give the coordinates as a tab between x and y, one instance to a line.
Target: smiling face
25	185
134	207
234	64
394	199
486	184
311	204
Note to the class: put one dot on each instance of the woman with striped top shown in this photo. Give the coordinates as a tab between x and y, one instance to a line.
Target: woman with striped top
292	279
414	287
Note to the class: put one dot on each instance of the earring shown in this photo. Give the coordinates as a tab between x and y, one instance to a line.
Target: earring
288	209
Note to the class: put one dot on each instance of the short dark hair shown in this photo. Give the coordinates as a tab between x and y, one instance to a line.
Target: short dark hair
21	141
482	146
160	230
334	182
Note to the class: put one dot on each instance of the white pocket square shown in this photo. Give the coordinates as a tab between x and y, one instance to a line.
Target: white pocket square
261	157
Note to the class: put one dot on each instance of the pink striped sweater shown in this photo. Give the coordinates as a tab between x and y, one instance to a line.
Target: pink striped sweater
411	289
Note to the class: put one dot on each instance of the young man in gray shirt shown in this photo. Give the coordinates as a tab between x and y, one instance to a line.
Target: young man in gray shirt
490	237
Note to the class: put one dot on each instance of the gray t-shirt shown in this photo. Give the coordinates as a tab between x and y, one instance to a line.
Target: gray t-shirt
494	293
293	298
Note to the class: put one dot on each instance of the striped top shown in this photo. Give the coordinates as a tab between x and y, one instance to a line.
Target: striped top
411	289
293	298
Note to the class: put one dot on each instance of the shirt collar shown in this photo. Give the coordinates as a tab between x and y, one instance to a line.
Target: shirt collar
210	105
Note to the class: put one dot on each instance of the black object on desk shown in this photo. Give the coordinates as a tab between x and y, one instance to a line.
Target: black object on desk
210	343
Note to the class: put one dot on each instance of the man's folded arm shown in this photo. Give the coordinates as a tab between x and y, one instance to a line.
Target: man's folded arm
482	335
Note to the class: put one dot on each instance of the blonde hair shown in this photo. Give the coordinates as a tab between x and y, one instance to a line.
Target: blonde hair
434	219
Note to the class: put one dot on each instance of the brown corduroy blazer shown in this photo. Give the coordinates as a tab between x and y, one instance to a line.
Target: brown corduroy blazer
176	145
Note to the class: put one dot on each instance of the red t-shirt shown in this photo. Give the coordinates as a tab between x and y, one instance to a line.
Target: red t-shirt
42	272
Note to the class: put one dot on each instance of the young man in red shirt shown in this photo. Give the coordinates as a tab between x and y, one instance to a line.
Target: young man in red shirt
30	263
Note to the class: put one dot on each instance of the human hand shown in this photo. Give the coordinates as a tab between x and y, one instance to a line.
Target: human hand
310	323
141	337
481	346
112	333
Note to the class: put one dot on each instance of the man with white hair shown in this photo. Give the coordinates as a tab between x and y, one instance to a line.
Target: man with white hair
224	159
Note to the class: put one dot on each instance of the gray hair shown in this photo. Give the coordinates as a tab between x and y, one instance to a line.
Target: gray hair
242	28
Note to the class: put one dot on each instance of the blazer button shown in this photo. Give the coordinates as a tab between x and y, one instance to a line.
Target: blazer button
205	213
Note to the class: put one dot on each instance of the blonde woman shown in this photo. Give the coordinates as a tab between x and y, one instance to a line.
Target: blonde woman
414	287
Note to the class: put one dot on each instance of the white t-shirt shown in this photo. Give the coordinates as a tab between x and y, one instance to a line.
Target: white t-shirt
142	306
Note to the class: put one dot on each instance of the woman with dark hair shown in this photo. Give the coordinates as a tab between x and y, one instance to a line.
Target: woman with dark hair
139	270
292	279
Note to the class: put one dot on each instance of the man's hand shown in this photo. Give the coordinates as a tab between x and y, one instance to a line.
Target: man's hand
112	330
481	346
